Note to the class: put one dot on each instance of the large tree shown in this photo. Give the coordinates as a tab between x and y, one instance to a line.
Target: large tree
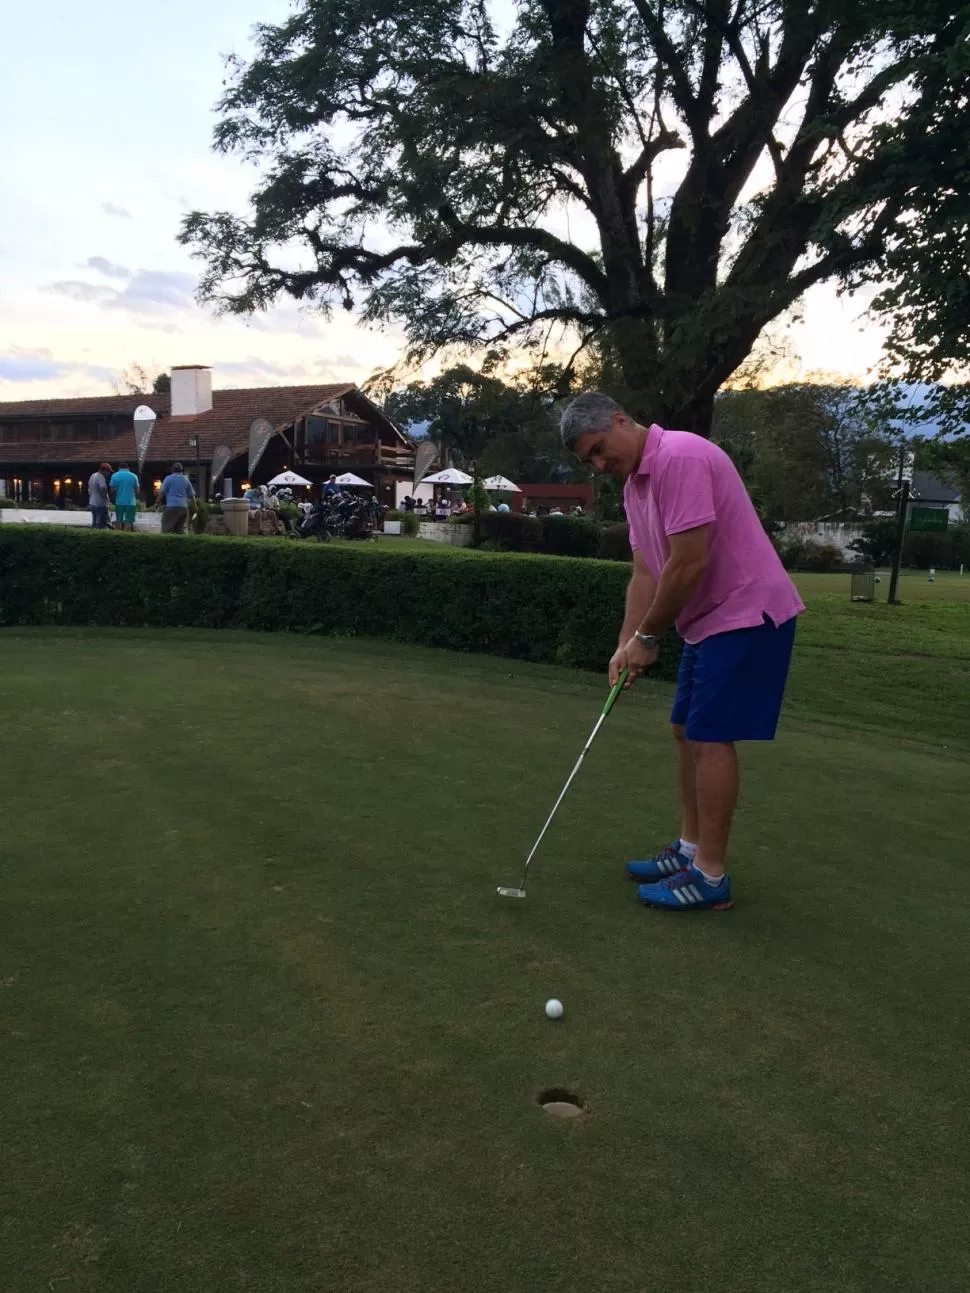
658	177
503	427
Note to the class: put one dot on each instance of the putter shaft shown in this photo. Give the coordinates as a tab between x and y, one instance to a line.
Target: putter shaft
508	892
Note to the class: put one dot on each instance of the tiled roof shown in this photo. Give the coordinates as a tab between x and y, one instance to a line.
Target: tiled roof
932	490
227	422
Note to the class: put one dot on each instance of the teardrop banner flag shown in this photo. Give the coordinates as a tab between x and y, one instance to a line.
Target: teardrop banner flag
144	426
261	431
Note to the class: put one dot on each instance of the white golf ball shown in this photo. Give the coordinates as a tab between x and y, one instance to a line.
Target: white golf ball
553	1009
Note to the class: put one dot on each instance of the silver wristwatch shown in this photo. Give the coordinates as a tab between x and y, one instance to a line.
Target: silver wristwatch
649	640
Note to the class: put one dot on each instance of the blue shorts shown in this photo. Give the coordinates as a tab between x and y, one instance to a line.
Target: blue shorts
730	686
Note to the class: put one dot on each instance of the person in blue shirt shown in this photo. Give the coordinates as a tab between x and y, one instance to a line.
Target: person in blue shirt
175	495
331	487
124	487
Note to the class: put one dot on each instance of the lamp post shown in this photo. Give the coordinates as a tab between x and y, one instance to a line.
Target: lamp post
903	494
194	443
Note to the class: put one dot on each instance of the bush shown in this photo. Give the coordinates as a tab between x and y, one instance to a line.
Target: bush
921	550
615	543
540	608
822	557
409	522
201	518
511	531
877	541
570	536
7	502
799	553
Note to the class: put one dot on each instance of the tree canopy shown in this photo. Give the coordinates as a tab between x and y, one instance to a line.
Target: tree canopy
477	418
659	177
808	450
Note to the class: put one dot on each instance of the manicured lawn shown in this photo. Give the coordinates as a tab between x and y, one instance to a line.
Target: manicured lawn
266	1026
914	586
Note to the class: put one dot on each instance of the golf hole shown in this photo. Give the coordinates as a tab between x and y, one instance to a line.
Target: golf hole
560	1102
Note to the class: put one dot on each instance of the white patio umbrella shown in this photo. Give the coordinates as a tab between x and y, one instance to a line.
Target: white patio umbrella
450	476
348	478
288	478
502	484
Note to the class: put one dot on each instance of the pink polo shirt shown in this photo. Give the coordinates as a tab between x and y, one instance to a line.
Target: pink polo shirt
684	481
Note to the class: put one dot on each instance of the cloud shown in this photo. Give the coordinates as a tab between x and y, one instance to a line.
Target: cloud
155	292
287	319
18	364
256	367
119	213
106	267
85	292
148	292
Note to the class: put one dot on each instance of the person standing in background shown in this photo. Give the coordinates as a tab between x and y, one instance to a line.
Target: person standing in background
124	486
98	496
175	495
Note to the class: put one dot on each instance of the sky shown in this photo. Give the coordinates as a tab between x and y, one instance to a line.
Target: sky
113	106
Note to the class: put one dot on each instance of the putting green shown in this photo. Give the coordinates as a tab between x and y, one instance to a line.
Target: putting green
268	1027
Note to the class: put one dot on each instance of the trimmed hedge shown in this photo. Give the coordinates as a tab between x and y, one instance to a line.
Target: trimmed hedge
570	536
511	531
615	543
527	608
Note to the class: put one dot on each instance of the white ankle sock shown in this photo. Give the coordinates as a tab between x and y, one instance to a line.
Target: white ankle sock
713	880
689	850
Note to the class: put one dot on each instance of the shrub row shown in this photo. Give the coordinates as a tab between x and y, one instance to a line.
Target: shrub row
561	536
947	551
536	608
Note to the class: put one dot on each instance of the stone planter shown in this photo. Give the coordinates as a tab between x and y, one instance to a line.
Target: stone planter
235	513
459	536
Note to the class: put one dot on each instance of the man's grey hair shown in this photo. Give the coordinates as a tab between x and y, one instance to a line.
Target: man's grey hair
587	415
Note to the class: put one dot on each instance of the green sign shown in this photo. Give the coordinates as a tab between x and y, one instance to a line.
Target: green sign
932	520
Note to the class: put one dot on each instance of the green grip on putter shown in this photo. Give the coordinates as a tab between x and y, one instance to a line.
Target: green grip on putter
612	697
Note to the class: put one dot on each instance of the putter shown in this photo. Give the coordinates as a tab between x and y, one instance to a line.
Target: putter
506	891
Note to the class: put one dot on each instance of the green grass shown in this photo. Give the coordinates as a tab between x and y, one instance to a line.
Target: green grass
266	1026
914	586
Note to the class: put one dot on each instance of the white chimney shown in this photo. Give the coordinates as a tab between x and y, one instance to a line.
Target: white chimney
191	390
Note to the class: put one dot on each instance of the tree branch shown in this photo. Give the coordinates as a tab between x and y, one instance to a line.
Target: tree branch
682	90
536	239
652	148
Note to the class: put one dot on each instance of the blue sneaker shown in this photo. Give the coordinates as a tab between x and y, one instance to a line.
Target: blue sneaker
669	861
687	891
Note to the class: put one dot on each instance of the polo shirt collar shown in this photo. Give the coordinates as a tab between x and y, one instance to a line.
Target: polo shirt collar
650	449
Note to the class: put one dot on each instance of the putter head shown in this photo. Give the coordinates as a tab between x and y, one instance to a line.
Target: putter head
504	892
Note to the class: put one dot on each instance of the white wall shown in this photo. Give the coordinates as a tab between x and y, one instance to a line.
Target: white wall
423	491
835	532
151	522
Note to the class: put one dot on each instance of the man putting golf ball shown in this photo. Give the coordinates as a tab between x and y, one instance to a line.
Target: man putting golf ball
703	563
